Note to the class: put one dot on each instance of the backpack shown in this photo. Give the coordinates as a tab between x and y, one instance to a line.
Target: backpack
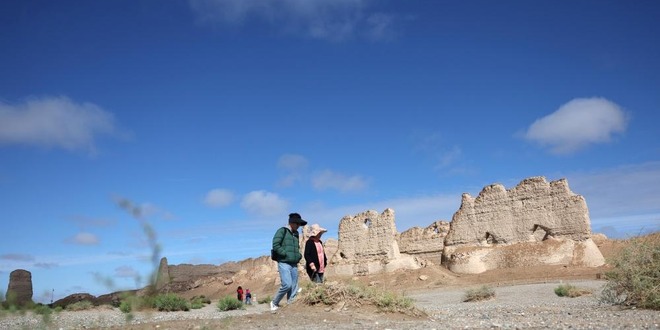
273	253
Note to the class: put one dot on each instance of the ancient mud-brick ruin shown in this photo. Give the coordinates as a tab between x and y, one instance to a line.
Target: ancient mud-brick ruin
425	243
19	289
367	245
534	223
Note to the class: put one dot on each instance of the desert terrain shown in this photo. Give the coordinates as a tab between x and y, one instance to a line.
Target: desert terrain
524	298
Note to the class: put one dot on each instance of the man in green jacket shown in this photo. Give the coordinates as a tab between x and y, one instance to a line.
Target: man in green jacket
286	251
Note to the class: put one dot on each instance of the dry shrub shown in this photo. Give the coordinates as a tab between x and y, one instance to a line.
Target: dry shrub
483	293
351	295
567	290
635	278
80	305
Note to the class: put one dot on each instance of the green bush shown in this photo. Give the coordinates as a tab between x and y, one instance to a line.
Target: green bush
567	290
265	300
483	293
635	277
125	307
389	301
42	310
198	302
171	302
80	305
229	303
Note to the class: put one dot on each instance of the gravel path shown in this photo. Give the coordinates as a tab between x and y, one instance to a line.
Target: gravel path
532	306
514	307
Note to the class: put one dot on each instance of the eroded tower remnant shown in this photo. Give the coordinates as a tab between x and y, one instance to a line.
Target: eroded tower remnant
368	245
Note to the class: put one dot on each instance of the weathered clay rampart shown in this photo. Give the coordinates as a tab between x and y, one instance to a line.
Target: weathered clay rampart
533	213
426	243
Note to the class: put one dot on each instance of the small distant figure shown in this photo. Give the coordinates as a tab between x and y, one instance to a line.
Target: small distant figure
239	293
315	254
248	297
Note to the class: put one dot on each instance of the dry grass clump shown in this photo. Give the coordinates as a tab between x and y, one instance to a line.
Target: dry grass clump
80	306
351	295
635	278
483	293
571	291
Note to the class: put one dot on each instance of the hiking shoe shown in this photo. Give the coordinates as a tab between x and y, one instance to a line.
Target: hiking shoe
273	307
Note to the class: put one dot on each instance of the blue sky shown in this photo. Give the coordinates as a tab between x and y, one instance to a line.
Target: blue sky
209	121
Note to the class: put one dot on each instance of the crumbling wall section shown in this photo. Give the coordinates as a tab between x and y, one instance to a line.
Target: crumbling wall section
534	213
368	244
425	243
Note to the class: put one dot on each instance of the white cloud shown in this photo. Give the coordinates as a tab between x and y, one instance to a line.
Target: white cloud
84	239
331	180
219	198
54	122
321	19
264	203
577	124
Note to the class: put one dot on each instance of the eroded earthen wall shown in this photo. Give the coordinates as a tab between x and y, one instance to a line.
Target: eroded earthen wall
535	223
426	243
531	211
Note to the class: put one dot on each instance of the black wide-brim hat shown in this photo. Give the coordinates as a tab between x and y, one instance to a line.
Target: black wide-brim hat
296	218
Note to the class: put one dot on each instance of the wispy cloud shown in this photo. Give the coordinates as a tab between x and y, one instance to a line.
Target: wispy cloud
83	238
445	156
219	198
623	190
578	124
126	271
417	211
622	201
293	168
328	179
86	222
334	20
46	265
144	210
264	203
54	122
17	257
